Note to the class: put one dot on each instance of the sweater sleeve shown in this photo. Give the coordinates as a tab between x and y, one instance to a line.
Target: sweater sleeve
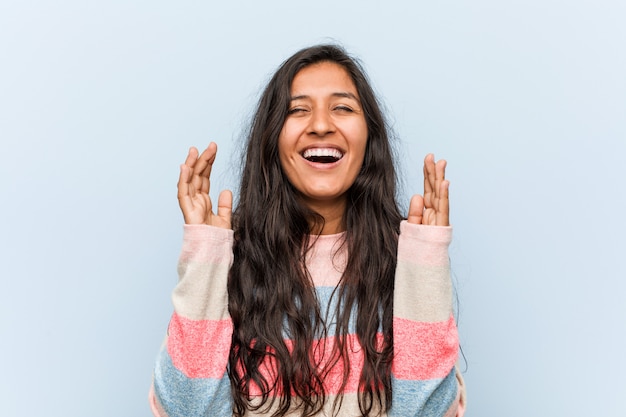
190	376
426	343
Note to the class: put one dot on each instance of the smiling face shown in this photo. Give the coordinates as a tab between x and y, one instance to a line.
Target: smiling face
322	143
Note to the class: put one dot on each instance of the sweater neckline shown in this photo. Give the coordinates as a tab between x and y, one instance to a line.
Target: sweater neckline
326	243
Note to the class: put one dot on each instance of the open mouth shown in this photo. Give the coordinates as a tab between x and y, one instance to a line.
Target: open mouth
322	155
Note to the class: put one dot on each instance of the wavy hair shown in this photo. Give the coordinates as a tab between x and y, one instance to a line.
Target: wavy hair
271	295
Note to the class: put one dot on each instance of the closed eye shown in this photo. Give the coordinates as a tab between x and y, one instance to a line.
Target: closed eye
296	110
344	109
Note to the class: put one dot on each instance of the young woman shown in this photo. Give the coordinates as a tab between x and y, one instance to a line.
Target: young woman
315	298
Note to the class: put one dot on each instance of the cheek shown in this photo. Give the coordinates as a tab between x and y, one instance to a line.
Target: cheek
358	132
361	156
283	144
287	139
360	142
284	156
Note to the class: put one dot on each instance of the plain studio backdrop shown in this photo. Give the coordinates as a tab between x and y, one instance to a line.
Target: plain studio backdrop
100	100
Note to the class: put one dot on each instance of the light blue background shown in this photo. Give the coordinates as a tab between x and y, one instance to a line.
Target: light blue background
99	101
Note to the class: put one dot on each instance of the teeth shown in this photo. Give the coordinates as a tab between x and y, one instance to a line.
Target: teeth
322	152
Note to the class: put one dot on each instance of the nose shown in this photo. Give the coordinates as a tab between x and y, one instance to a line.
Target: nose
321	122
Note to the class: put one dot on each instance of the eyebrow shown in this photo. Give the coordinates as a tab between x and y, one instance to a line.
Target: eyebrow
343	94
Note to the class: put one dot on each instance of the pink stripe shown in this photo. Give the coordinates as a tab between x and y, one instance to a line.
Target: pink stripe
323	354
192	345
436	254
203	252
333	380
424	350
206	244
199	348
424	245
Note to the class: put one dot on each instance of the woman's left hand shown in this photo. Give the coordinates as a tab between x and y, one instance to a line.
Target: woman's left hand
433	208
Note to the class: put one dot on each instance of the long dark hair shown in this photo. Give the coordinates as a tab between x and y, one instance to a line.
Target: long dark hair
271	295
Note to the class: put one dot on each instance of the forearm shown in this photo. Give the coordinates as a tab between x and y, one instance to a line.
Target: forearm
190	377
425	334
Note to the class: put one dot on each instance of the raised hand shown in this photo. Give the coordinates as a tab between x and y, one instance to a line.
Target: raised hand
433	208
193	191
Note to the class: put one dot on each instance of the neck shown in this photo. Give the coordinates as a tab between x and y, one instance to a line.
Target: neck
332	212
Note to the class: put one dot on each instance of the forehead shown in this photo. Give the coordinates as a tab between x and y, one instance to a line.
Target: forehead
322	78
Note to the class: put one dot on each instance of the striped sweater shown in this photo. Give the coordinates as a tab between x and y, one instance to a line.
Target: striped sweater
190	378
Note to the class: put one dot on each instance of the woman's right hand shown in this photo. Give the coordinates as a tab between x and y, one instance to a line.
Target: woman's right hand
193	191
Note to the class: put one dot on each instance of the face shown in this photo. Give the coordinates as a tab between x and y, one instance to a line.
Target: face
322	143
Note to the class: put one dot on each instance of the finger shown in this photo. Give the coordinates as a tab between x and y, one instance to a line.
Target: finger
192	157
440	169
184	199
183	181
206	159
192	163
429	180
416	209
440	174
443	209
203	170
225	206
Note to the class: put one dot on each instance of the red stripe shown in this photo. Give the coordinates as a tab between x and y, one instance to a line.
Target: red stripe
332	382
424	350
199	348
323	354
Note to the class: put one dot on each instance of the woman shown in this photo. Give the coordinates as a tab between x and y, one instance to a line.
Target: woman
314	298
